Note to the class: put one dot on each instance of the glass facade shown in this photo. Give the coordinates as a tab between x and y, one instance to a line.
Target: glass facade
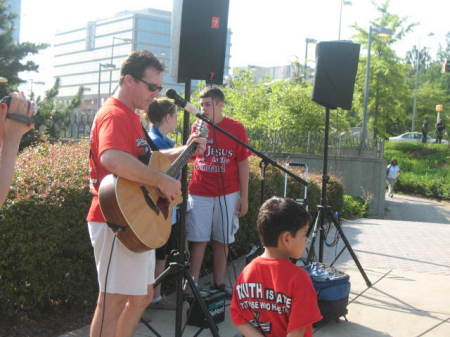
80	52
14	7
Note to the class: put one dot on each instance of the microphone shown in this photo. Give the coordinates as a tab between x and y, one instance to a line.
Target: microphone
180	101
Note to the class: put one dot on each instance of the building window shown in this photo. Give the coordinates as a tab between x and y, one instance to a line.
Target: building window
90	35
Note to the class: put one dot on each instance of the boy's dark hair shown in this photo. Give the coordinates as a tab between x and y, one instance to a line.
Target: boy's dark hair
160	108
278	215
214	92
136	63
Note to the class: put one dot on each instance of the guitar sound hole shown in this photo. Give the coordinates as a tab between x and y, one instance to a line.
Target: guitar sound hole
163	205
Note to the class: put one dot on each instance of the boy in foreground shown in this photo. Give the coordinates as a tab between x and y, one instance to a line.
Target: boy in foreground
272	296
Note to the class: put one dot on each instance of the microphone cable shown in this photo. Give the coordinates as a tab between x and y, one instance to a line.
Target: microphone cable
106	281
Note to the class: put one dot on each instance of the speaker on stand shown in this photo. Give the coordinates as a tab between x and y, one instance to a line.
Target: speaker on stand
199	40
336	67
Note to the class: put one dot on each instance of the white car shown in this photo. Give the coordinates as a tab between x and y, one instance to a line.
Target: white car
414	137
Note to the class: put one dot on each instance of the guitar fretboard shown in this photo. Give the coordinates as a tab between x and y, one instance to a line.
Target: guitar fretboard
178	164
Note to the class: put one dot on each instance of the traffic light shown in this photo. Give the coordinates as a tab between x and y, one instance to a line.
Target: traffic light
445	67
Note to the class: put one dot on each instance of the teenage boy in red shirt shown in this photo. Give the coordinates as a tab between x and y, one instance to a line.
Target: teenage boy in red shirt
218	189
272	296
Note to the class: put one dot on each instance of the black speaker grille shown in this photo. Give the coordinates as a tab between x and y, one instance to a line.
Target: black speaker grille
336	67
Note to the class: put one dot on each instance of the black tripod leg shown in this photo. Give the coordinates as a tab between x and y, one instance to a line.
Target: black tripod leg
150	328
212	325
347	244
318	221
173	268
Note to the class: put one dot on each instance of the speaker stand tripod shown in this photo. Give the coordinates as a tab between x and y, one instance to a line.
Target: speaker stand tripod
324	213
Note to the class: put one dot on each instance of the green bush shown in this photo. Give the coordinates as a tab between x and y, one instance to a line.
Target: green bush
47	258
354	207
424	168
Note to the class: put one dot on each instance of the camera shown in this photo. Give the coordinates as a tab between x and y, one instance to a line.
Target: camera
19	117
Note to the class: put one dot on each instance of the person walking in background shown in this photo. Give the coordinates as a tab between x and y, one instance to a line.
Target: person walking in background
392	173
424	131
439	131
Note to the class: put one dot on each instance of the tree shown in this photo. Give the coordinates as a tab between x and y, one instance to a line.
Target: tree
12	53
53	118
435	87
388	82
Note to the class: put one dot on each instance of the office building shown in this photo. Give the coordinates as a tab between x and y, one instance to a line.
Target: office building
91	56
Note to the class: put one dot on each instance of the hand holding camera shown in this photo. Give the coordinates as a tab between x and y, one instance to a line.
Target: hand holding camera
16	116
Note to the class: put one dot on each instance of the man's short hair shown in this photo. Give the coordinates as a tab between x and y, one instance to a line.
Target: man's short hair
159	109
214	92
278	215
136	63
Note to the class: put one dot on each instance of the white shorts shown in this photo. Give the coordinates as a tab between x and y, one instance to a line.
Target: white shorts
129	273
212	218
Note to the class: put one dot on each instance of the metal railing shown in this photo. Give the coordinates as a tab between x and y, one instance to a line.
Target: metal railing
285	141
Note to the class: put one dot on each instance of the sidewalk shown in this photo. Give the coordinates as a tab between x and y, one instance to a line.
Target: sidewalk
408	264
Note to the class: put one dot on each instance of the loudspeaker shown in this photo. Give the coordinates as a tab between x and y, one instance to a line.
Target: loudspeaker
336	67
199	39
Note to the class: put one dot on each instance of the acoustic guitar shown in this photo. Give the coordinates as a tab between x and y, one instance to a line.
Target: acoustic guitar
141	215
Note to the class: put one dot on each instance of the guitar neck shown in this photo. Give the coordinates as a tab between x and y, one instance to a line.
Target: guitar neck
182	159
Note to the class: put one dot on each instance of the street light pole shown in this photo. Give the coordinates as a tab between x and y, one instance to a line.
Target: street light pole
343	2
112	58
107	66
308	41
416	85
366	91
372	31
32	81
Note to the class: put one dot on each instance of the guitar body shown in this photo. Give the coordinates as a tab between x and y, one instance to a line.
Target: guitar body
143	216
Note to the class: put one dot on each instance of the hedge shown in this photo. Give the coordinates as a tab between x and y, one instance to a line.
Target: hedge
47	259
45	248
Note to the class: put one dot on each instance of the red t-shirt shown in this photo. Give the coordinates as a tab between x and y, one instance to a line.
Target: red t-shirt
115	127
276	293
216	171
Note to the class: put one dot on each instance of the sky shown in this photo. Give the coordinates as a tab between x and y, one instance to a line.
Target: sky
265	32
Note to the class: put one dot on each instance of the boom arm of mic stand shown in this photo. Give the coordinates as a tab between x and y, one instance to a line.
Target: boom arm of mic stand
259	154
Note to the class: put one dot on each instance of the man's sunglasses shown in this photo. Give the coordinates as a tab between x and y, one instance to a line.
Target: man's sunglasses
150	86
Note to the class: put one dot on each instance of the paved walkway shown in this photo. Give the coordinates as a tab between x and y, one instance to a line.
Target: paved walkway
408	263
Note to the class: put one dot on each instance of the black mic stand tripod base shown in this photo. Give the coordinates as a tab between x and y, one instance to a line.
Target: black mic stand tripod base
324	214
182	269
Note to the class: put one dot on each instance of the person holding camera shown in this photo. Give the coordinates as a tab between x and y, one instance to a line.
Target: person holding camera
11	132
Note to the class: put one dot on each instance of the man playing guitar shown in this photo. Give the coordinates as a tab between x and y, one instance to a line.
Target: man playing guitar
118	146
